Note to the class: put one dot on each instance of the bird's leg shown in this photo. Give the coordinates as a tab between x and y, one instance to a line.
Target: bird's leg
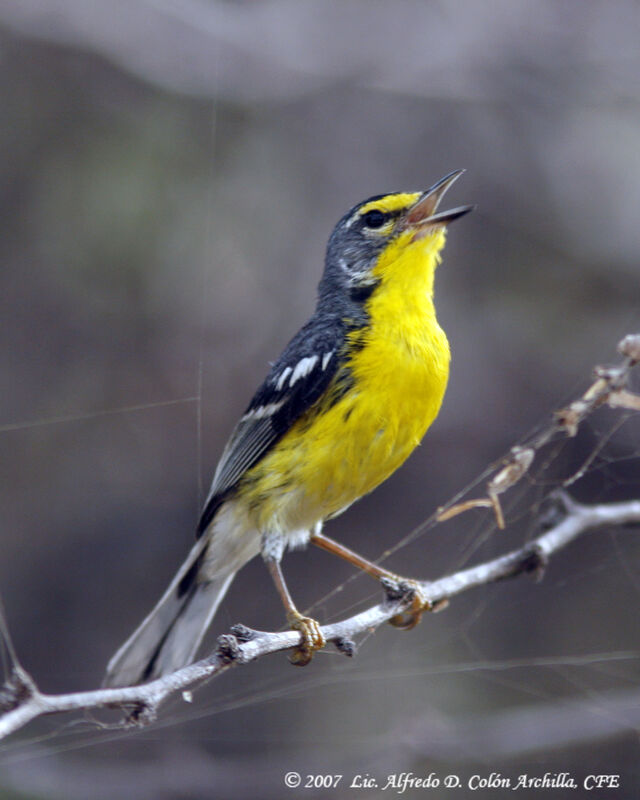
395	586
309	628
312	638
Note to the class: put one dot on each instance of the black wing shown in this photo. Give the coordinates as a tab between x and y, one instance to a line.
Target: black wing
295	382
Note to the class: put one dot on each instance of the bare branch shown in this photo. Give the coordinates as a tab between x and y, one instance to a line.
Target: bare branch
21	701
142	702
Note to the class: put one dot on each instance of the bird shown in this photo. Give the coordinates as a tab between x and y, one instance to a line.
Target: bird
345	404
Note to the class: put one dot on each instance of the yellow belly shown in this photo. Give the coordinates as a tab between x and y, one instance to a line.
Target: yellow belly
332	456
399	363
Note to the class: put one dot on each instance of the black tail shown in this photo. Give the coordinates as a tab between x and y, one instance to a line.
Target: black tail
169	636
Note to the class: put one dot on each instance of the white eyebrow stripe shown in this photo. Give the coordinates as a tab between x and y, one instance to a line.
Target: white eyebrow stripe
283	377
303	367
260	412
326	358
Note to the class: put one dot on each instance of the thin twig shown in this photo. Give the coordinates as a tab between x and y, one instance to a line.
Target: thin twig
21	701
142	702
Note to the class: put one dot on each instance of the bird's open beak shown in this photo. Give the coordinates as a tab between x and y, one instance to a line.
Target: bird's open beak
422	216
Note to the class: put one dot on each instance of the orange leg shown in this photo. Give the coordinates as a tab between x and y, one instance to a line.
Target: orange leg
309	628
401	586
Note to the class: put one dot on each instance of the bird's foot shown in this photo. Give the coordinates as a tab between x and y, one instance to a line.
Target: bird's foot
412	594
312	638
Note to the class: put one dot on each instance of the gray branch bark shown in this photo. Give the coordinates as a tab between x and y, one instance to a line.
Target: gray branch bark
23	701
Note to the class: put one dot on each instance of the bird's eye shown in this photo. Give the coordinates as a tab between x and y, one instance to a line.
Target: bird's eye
374	218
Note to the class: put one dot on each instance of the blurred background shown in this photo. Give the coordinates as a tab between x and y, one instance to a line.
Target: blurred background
170	174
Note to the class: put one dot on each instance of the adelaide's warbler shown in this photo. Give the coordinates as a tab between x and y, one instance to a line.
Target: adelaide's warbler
348	400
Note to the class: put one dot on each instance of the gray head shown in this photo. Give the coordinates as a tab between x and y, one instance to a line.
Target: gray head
369	227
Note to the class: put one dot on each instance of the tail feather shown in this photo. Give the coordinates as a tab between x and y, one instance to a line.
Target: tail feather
170	635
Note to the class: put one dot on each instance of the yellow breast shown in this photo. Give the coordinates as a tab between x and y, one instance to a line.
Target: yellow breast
399	365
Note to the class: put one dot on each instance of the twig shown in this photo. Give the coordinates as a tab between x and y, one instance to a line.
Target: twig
609	387
142	702
21	701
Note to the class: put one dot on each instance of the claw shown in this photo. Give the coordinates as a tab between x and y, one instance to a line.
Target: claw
411	616
416	604
312	638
